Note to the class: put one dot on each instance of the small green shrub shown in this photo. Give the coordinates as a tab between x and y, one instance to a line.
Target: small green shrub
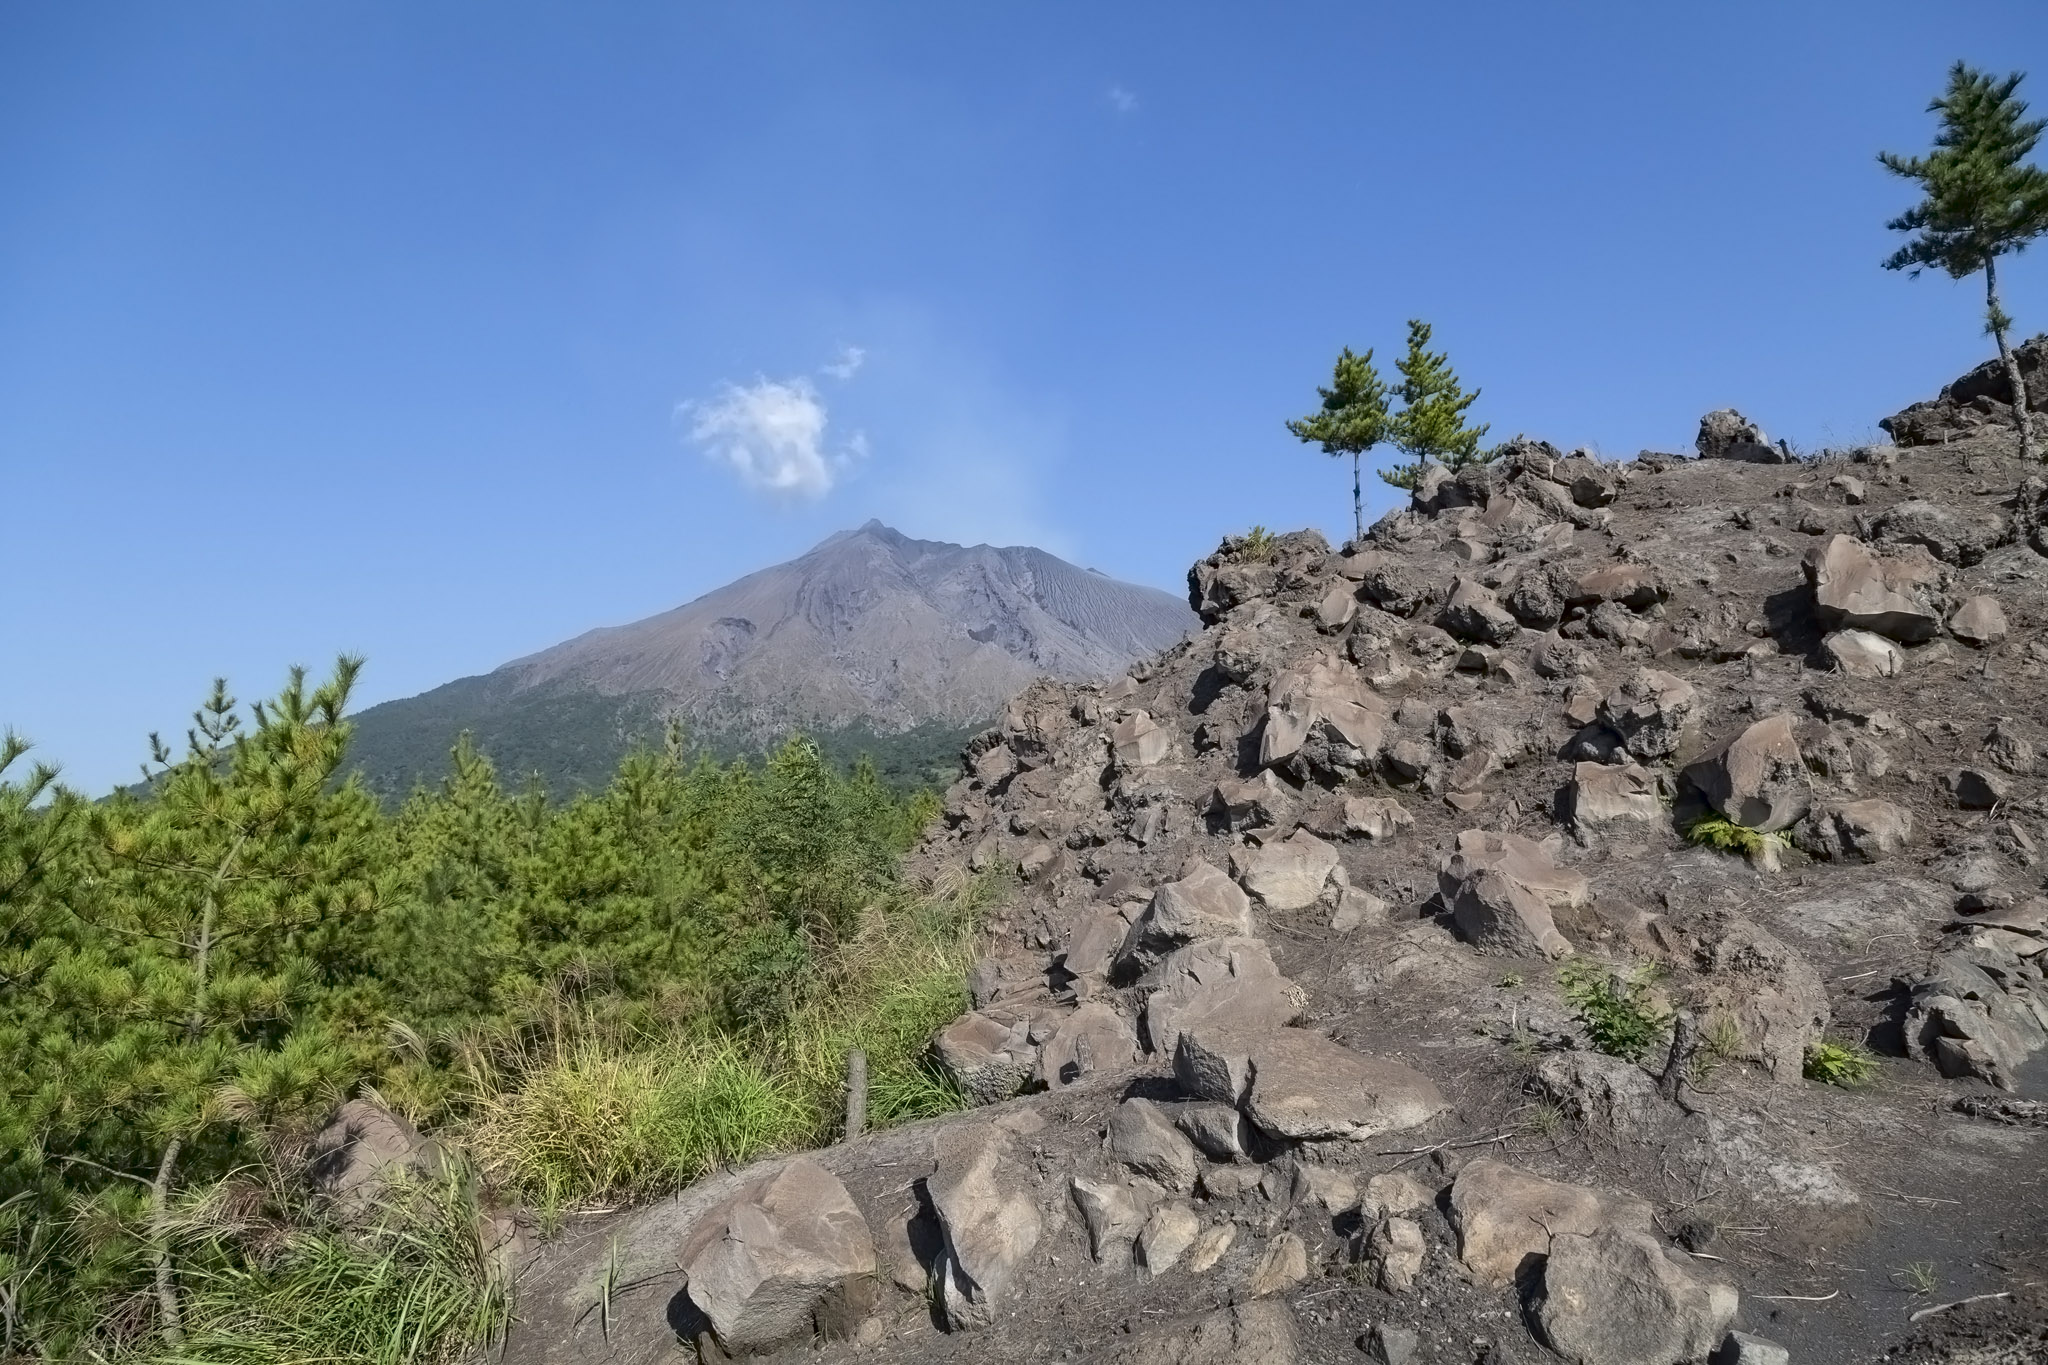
1720	833
1843	1064
1256	544
1621	1016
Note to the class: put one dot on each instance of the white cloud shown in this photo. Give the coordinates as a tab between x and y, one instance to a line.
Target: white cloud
848	365
1122	100
771	433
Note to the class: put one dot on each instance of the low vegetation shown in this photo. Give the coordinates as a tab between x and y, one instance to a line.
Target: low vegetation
1843	1064
1720	833
1620	1012
594	999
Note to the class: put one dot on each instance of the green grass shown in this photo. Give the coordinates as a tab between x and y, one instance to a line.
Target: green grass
1620	1013
1843	1064
1720	833
1255	544
418	1288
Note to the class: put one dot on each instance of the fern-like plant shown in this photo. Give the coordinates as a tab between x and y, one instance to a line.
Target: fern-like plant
1620	1012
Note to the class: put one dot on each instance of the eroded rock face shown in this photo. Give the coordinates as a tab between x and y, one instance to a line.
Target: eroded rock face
762	1265
1506	1217
1756	778
1864	830
989	1219
1773	996
1612	1297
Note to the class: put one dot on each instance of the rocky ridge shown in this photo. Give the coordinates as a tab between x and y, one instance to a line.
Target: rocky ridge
1313	1000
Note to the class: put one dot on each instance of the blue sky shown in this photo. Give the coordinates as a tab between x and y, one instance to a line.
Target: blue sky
442	333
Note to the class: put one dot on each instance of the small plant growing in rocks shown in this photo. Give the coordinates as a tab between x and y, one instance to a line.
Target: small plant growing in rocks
1720	833
1843	1064
1255	544
1622	1017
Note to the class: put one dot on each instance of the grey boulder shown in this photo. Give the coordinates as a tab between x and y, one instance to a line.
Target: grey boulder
1756	778
1613	1297
763	1264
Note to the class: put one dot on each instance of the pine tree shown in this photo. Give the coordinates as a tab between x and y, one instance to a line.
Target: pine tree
1352	420
1982	200
1431	424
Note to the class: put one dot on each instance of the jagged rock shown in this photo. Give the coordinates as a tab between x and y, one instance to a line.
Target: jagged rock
2008	748
1386	1344
1978	622
1138	741
1981	398
1757	778
1288	875
1210	1246
1862	654
1976	789
1473	613
1284	1265
1537	597
1307	1088
1167	1235
761	1266
1374	817
1248	803
1726	434
1356	909
1950	538
1092	1038
1092	944
1635	586
1229	981
1612	1297
988	1217
1652	711
1114	1213
1854	589
361	1149
1602	792
1504	1216
1215	585
989	1059
1203	904
1605	1095
1501	889
1773	996
1980	1010
1391	1193
993	766
1392	1254
1324	716
1337	608
1219	1130
1866	830
1259	1333
1146	1140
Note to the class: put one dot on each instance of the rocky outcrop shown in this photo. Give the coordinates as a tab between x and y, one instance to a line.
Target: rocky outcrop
1854	589
1980	400
1756	778
1612	1297
1726	434
989	1219
788	1258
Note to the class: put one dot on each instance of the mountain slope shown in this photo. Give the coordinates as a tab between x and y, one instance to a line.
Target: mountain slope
872	640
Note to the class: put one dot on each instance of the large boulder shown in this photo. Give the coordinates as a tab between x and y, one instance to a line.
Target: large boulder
988	1058
1322	717
989	1220
1855	589
1473	613
1863	654
1093	1038
360	1150
1771	995
1865	830
1652	711
1980	1010
1757	778
1604	792
1289	874
1144	1138
1203	904
1138	741
1949	536
1304	1087
1726	434
1979	622
1227	981
1502	890
1504	1216
1613	1297
765	1263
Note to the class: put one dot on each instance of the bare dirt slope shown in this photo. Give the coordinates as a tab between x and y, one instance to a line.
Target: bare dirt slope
1297	902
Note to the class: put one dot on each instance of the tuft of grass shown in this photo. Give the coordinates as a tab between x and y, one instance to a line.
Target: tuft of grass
419	1287
1843	1064
1255	544
1917	1277
1620	1014
1720	833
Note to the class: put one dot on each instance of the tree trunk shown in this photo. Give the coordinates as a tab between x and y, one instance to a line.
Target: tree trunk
160	1246
1357	505
2022	417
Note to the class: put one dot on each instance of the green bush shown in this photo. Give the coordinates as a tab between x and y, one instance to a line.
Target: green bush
1721	833
1843	1064
1620	1013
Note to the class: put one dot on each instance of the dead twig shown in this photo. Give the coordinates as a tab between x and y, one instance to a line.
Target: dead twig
1799	1298
1944	1307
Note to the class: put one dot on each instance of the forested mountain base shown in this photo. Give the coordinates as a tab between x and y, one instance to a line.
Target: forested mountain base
601	997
